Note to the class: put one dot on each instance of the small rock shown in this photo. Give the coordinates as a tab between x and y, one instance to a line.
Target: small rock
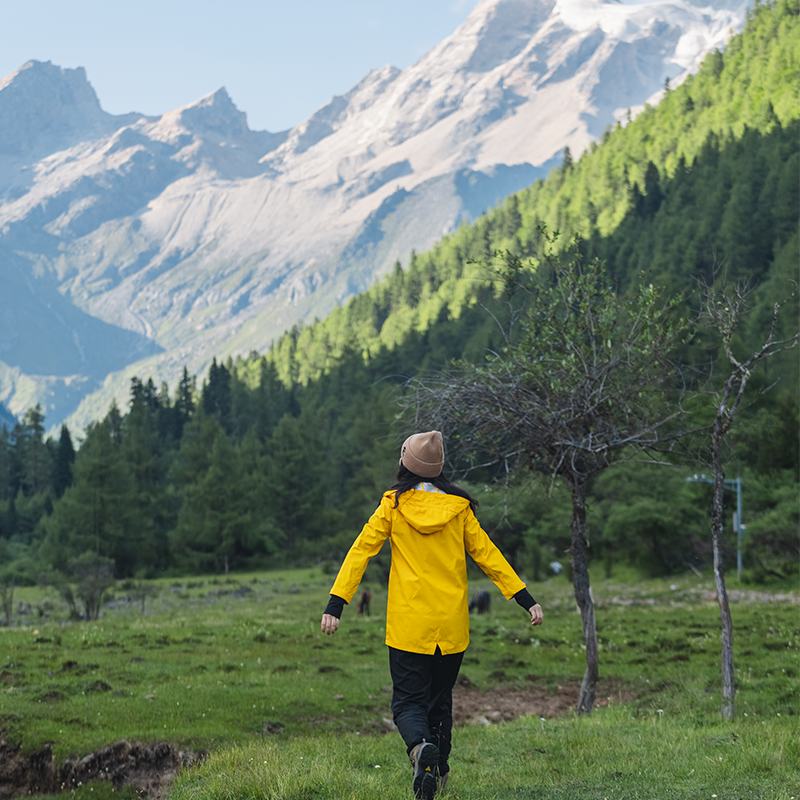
338	697
149	697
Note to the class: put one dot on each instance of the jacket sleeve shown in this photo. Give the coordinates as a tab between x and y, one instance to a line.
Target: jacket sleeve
489	558
367	545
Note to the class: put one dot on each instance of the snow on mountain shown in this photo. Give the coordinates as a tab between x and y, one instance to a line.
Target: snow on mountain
189	235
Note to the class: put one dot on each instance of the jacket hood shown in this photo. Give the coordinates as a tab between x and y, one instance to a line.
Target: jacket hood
429	512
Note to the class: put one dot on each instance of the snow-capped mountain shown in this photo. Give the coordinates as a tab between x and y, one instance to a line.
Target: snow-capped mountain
135	245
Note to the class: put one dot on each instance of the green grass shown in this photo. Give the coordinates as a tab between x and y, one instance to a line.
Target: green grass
237	666
610	755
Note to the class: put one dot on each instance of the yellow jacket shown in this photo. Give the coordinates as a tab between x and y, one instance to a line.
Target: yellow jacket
430	534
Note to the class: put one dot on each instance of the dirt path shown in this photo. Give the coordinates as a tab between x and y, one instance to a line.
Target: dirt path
543	698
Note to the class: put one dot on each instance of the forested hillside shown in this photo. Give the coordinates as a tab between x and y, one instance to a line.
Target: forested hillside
735	101
279	458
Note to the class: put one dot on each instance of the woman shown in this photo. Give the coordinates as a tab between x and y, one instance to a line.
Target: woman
431	526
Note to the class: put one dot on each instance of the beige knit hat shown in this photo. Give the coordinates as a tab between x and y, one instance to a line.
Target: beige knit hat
423	454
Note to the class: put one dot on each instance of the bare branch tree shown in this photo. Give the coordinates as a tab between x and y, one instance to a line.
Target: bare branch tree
142	590
7	597
722	311
93	575
584	378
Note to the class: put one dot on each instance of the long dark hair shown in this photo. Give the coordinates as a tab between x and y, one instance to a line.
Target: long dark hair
407	480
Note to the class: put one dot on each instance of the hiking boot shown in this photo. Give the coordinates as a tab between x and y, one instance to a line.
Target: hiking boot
425	758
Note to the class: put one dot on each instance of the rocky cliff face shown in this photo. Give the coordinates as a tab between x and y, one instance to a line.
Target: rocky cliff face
43	108
137	245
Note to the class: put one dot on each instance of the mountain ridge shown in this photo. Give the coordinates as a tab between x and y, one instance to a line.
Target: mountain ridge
66	101
208	238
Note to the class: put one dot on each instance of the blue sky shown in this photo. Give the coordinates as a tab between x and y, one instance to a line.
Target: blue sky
279	61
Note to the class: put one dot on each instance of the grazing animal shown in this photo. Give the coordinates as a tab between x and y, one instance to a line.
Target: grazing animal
363	603
480	602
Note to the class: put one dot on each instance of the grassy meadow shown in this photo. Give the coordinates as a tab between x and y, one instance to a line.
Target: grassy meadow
236	666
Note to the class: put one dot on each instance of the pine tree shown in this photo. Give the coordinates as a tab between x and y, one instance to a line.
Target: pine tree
513	220
224	521
5	464
145	545
294	477
653	196
95	514
217	393
113	422
272	400
412	290
31	463
190	465
241	413
184	402
62	464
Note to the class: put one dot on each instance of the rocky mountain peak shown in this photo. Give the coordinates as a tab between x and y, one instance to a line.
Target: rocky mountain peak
213	117
498	30
328	119
215	114
40	101
45	82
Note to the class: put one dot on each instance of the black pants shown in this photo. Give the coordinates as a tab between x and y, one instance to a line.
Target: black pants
422	702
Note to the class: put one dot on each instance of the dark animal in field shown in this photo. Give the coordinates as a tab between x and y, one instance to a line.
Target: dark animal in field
480	602
363	603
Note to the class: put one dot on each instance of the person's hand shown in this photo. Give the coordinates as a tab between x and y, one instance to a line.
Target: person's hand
330	623
537	616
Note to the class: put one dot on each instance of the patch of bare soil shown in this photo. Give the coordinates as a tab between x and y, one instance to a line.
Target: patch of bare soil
543	698
148	768
151	768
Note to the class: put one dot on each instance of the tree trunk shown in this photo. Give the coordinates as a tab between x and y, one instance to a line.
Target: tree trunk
583	593
7	596
728	688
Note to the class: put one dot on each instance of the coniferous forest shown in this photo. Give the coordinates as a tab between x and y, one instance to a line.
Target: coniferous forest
278	458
